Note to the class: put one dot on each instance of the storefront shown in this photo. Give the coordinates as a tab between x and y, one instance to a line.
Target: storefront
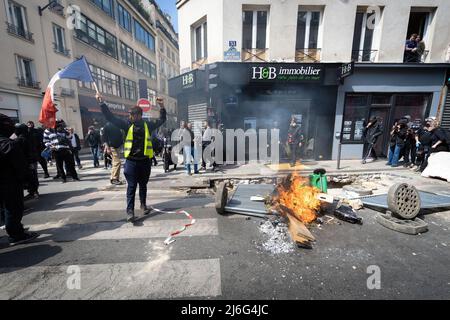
91	114
263	96
389	91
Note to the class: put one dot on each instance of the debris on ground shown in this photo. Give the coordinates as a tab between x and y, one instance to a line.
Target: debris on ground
346	213
278	239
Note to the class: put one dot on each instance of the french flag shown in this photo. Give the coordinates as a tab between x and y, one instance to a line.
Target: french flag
77	70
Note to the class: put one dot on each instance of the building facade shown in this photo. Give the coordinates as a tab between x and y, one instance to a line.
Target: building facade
119	40
167	57
244	64
33	48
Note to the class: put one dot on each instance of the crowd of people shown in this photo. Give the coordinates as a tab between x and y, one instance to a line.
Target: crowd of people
22	147
412	141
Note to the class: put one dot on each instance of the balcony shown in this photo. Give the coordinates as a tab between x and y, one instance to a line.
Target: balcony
61	50
308	55
416	58
19	32
28	83
364	55
197	64
67	92
255	55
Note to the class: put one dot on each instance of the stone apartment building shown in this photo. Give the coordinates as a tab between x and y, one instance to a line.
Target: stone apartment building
117	37
244	64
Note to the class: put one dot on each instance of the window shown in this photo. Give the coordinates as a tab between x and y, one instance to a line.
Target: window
200	41
97	37
420	21
363	36
105	5
26	73
151	96
308	24
17	21
124	18
355	115
145	66
144	36
129	89
127	55
59	40
107	82
254	29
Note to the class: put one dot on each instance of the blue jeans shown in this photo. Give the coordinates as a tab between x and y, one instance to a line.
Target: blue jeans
190	155
136	172
394	155
94	151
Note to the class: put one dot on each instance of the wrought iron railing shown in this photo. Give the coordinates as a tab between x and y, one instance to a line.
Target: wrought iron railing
28	83
61	50
20	32
66	92
308	55
197	64
364	55
255	55
411	57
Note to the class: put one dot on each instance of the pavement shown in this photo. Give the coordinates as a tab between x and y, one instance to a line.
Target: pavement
86	250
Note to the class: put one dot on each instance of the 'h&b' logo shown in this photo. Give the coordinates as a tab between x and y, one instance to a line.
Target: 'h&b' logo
264	73
188	79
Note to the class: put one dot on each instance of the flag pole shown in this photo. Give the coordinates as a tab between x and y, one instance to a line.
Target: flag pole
95	87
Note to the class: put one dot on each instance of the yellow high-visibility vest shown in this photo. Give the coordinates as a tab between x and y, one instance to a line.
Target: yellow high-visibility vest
148	146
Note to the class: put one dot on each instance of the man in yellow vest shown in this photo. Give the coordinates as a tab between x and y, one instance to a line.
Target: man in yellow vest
138	151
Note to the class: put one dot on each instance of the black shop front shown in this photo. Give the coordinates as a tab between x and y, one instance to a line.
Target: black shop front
263	96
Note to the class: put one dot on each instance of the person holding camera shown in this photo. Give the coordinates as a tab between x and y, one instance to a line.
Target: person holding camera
138	150
397	140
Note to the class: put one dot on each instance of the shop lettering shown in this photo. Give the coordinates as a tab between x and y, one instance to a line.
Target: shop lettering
264	73
188	79
271	73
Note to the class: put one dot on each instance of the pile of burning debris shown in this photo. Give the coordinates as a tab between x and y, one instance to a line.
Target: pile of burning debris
302	206
291	207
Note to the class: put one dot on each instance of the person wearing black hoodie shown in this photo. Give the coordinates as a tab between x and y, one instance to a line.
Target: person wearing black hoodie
294	139
12	176
372	131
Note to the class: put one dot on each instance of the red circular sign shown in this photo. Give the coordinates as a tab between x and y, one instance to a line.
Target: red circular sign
144	104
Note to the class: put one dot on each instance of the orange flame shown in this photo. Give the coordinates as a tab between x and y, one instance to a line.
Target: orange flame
300	198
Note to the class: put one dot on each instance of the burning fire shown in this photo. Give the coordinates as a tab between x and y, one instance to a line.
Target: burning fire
299	197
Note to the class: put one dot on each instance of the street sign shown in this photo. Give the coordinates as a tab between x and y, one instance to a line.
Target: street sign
144	104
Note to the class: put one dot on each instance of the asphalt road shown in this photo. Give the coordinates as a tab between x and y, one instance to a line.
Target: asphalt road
87	251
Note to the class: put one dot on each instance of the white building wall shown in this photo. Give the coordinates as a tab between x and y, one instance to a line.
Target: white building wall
225	24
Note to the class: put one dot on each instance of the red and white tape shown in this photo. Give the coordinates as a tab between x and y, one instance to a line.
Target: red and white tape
170	238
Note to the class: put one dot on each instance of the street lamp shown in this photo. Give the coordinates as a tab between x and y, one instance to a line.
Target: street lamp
54	4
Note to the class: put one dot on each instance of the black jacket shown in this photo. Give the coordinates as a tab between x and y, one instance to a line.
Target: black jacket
93	138
112	135
294	135
13	163
373	132
137	149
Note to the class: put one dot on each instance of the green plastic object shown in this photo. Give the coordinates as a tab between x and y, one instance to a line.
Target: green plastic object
319	181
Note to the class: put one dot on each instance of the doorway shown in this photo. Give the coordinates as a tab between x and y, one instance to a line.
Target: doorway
382	142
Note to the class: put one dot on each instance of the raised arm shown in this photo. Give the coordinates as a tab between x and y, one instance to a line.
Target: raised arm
162	116
109	116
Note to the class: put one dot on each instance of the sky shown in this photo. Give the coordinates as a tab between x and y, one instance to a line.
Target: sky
170	7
